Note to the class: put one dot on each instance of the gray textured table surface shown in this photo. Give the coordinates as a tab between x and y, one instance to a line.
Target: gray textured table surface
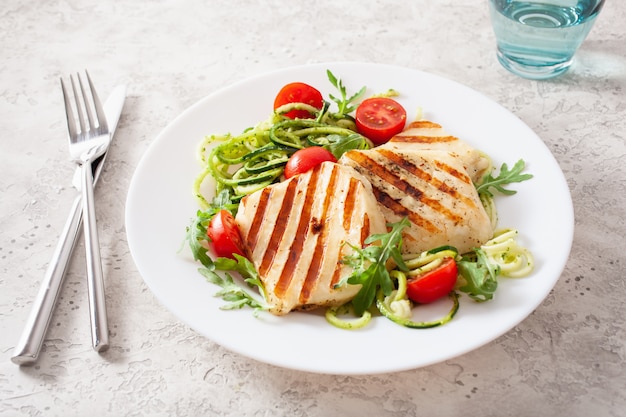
565	359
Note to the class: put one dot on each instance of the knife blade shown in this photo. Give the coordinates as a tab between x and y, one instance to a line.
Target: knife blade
27	350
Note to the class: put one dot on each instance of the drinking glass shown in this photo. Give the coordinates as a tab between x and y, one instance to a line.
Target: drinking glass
538	39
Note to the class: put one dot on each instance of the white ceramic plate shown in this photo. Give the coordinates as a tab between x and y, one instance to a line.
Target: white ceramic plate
160	205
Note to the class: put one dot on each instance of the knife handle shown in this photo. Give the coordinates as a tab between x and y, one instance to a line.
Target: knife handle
27	350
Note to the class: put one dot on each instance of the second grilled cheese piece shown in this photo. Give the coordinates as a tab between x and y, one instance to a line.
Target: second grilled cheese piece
294	234
432	189
424	134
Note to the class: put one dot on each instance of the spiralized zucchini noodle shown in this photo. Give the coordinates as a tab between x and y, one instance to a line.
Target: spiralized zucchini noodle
248	162
512	259
333	317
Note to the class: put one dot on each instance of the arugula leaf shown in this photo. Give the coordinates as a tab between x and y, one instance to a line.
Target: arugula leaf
197	237
244	267
479	275
197	232
235	294
339	144
370	265
505	177
345	105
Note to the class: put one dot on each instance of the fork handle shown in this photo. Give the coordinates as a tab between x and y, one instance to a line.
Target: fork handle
95	277
27	350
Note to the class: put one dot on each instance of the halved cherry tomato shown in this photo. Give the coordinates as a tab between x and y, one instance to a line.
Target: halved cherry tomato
305	159
299	93
433	284
380	118
225	236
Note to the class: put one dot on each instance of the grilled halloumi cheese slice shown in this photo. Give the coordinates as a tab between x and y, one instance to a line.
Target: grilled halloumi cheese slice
431	188
294	234
424	134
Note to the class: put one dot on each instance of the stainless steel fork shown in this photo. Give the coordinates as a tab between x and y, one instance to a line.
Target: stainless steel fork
89	138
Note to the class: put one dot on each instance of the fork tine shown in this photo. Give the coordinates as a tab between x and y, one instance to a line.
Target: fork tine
86	102
79	107
102	120
71	122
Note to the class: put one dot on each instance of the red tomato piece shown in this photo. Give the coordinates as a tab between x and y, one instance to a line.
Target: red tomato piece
433	284
305	159
380	118
299	93
225	236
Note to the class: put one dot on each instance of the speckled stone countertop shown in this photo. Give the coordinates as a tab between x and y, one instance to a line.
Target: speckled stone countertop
566	359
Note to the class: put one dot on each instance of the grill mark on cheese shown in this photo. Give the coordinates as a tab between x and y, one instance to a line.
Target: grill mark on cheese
409	136
393	205
454	172
313	272
355	186
423	124
295	251
365	230
337	271
349	203
428	178
279	228
253	234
